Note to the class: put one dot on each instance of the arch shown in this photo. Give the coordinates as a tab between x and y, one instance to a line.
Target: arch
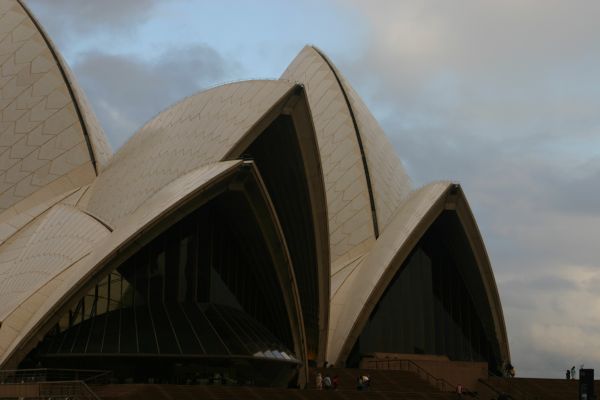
227	123
164	209
357	298
197	131
293	177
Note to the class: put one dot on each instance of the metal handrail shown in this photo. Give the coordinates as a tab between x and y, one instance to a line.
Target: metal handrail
101	378
78	389
53	375
439	383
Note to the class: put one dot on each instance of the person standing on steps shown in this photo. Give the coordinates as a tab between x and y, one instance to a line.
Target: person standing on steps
573	372
327	382
568	374
319	381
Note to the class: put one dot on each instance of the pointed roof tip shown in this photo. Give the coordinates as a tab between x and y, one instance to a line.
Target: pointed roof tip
319	51
312	47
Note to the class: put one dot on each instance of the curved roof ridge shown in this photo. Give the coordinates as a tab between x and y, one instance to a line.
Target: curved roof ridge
386	176
358	297
358	138
196	131
200	92
95	138
50	140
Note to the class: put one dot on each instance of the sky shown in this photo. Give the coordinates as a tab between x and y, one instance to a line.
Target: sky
502	96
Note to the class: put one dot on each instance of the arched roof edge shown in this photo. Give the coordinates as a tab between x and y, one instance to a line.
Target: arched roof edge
69	83
359	137
173	202
393	248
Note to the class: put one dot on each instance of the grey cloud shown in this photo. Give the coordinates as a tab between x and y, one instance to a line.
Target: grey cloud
87	17
126	91
504	97
578	194
542	283
501	96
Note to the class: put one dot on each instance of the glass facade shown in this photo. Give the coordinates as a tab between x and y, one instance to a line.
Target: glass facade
277	155
434	304
205	291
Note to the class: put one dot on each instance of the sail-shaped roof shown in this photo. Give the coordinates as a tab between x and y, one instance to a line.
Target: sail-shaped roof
331	199
50	141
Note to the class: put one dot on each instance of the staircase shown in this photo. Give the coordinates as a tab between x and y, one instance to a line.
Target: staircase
194	392
535	388
385	385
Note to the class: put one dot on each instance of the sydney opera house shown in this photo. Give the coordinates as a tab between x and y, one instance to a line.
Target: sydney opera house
253	229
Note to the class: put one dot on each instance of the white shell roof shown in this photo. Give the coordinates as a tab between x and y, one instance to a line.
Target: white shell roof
351	230
59	223
48	139
194	132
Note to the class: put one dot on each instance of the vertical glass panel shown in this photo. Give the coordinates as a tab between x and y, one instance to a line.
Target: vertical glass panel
207	286
428	308
111	336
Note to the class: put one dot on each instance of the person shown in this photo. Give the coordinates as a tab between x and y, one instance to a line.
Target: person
319	381
327	382
359	383
568	374
366	381
510	370
336	382
573	372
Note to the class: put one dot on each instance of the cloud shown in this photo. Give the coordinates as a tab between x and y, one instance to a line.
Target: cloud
504	97
564	331
126	91
85	17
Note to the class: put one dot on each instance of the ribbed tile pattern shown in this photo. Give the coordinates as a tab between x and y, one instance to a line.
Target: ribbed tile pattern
13	224
195	132
389	181
98	140
42	250
41	137
348	205
45	296
340	276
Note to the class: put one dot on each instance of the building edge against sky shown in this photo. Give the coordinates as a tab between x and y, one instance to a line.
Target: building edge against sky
251	226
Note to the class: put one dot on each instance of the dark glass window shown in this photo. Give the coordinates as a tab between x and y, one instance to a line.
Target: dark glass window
206	286
434	304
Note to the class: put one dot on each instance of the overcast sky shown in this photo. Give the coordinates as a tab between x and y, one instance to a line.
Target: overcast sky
502	96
